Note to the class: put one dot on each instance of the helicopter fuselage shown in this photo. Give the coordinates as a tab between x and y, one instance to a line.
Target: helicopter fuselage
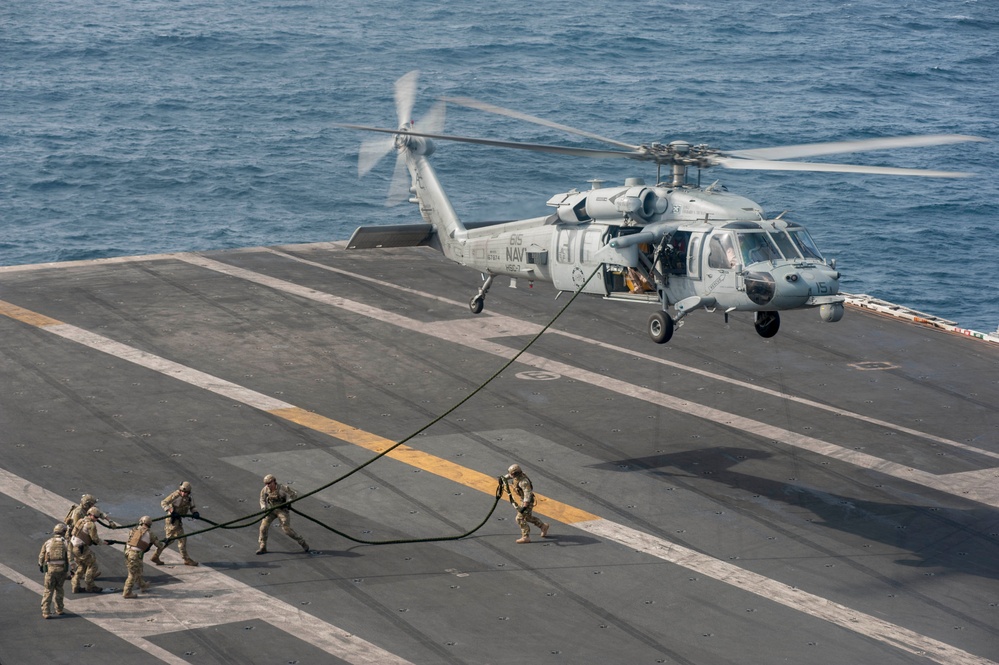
681	246
701	247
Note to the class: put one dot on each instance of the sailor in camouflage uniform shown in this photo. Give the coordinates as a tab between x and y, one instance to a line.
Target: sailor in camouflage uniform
272	495
177	504
55	561
139	541
87	501
524	490
83	538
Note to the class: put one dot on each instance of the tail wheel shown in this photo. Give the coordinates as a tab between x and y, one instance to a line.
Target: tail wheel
476	304
660	327
767	323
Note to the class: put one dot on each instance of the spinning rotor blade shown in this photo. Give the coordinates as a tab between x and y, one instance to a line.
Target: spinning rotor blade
371	153
773	165
433	121
405	95
536	147
401	181
499	110
399	189
815	149
373	150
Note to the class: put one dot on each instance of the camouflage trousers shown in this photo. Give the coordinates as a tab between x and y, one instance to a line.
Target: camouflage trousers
176	530
285	519
54	581
86	569
525	517
133	562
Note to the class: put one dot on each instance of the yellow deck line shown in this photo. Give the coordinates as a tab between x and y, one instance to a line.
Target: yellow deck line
441	467
26	315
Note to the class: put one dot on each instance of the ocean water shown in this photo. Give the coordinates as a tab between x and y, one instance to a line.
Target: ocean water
140	126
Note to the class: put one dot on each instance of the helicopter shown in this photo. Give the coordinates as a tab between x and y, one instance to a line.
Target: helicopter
673	243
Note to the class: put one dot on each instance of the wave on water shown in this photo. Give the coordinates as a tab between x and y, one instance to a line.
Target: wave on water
142	126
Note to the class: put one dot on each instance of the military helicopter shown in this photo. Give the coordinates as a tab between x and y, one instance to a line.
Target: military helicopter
673	243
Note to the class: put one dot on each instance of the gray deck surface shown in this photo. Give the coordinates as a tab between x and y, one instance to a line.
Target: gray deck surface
826	496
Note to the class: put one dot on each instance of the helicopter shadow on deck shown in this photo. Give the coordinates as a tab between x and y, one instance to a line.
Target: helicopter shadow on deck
959	540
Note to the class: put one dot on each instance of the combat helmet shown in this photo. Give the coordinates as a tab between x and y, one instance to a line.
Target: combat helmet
59	529
186	486
514	470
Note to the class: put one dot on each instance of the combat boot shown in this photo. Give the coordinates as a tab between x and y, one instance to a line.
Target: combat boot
156	559
524	540
262	549
129	595
190	562
95	589
544	530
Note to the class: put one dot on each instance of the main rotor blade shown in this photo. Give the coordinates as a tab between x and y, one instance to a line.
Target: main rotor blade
772	165
536	147
405	95
499	110
815	149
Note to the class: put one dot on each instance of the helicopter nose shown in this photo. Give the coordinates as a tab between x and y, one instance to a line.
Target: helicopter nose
793	286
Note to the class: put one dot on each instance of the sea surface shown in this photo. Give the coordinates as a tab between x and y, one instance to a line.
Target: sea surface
142	126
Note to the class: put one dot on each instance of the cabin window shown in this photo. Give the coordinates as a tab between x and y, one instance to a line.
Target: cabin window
694	255
721	251
592	241
564	252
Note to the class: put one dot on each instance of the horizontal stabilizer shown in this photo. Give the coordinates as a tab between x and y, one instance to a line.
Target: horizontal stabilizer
394	235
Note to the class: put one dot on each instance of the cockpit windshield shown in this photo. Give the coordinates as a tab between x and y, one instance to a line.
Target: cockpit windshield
787	246
805	243
757	246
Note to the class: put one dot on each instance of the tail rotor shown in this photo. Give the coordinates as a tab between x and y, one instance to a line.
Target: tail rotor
373	150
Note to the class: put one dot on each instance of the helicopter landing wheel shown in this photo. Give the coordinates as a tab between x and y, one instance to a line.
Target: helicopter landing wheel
476	304
661	327
767	324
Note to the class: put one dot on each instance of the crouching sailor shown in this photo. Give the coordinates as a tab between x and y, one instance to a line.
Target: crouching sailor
139	542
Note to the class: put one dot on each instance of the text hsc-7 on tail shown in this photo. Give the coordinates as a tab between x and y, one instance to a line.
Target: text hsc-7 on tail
673	243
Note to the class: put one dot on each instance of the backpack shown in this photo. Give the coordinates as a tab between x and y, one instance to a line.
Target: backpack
68	520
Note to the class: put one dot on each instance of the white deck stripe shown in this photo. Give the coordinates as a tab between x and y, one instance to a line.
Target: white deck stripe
789	596
168	367
205	598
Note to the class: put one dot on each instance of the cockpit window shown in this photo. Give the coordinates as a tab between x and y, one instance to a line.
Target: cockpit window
805	244
757	246
787	247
